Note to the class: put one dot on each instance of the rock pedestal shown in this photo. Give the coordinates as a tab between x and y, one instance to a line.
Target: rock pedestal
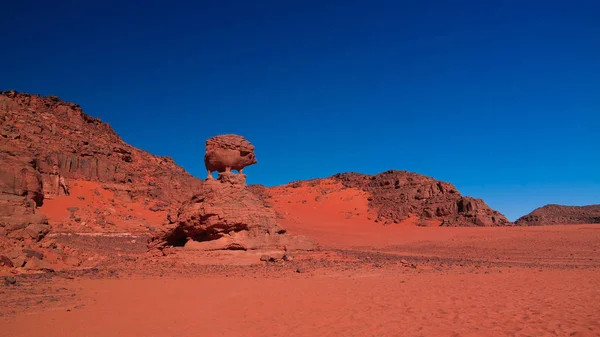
225	215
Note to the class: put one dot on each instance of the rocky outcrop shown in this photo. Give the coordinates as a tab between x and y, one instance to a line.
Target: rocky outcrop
393	197
47	145
228	152
21	189
561	215
396	195
225	215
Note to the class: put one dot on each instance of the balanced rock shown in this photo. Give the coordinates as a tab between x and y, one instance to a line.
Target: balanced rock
225	215
228	152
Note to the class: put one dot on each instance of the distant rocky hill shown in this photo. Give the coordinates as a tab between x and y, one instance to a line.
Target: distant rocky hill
395	196
561	215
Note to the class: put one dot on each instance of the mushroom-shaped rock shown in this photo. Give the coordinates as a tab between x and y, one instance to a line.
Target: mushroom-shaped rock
228	152
225	214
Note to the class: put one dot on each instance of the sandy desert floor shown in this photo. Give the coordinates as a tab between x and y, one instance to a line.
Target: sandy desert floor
385	281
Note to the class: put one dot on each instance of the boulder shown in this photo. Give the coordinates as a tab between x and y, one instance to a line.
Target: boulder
37	231
5	261
25	226
35	263
228	152
18	261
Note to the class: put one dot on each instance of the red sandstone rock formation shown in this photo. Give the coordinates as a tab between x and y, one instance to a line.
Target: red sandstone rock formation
226	215
47	145
56	142
561	215
396	196
228	152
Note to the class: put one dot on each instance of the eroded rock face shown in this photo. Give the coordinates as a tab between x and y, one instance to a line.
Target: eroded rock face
561	215
21	189
47	145
226	215
228	152
398	194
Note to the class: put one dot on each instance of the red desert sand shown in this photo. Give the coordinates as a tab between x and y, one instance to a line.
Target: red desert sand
500	281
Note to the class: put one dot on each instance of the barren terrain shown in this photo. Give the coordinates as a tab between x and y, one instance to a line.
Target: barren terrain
388	281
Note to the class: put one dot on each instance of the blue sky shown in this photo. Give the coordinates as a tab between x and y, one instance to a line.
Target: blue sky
501	98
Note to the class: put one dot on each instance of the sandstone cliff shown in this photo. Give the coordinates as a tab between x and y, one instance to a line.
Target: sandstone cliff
48	143
49	149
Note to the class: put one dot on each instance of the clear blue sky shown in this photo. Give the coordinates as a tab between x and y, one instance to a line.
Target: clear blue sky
501	98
